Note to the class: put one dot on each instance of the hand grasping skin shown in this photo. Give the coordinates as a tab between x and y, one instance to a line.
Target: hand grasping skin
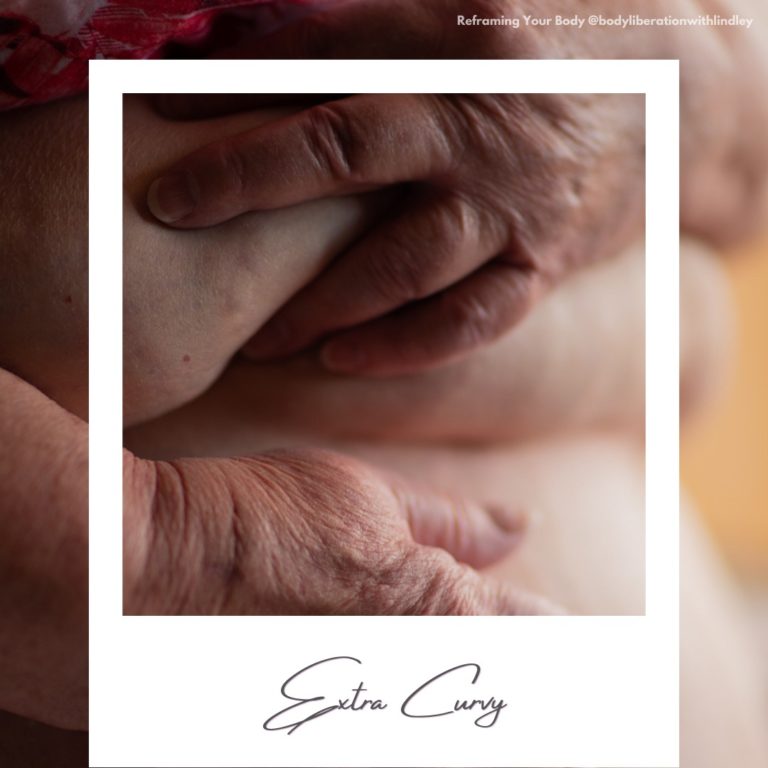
507	194
307	532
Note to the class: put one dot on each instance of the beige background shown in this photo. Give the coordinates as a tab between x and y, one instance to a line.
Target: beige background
725	450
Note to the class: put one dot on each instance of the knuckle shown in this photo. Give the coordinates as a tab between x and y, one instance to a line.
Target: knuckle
334	143
384	582
234	166
521	284
438	586
328	479
406	270
470	320
398	275
344	527
457	221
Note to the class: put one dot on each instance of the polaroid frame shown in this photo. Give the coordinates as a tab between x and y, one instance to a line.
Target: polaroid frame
195	691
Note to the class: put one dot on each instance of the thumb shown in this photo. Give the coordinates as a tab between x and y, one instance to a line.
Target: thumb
473	533
352	145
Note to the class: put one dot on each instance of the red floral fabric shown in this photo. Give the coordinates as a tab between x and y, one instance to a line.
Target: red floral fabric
45	46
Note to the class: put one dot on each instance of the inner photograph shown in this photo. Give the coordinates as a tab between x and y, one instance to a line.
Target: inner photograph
384	353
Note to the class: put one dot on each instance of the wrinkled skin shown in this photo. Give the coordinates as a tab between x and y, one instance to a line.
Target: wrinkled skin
508	193
43	557
44	249
192	299
308	532
252	535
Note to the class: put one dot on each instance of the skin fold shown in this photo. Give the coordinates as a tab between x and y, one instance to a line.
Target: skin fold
507	393
716	648
574	366
43	446
44	250
435	428
43	558
254	264
223	283
510	191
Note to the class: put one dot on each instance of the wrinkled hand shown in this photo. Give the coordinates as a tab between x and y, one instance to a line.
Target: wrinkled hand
509	193
308	532
191	299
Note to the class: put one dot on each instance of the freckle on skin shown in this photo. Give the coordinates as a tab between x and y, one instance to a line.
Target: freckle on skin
186	358
67	299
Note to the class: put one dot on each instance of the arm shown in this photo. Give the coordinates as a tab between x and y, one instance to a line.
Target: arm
44	249
43	448
563	171
577	362
307	532
258	261
192	299
290	532
43	558
723	70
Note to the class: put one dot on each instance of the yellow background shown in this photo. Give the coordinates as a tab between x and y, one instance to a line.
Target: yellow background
725	452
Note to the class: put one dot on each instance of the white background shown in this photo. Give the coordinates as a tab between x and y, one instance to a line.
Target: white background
194	691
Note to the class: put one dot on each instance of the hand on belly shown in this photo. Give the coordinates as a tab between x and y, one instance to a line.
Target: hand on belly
308	532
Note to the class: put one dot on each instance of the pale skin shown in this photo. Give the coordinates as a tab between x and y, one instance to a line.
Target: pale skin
610	395
44	233
74	552
220	299
43	558
43	446
578	535
553	376
511	193
232	279
44	589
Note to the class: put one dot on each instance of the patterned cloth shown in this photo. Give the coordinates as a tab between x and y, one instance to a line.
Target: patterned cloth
45	45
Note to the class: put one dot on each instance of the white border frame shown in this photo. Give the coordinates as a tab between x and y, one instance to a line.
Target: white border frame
582	691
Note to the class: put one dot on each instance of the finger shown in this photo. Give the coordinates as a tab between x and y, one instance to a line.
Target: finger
473	533
437	241
434	584
351	145
440	329
196	106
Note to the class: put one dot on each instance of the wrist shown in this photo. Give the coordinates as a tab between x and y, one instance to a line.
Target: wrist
179	537
139	492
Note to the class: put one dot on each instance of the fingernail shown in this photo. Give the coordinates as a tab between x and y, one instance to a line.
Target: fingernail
172	197
508	519
342	358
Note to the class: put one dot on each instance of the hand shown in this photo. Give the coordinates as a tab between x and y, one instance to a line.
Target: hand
569	170
192	299
308	532
509	193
